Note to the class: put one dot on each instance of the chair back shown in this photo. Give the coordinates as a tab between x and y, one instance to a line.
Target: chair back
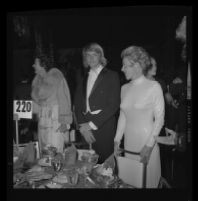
21	147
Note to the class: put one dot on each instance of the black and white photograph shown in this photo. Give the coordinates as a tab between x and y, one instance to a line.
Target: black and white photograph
101	98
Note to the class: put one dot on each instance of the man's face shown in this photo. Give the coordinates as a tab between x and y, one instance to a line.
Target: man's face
93	59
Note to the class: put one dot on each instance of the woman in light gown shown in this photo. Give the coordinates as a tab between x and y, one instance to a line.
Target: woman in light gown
51	101
141	113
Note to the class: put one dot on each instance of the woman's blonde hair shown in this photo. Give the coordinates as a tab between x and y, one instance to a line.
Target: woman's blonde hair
94	47
139	55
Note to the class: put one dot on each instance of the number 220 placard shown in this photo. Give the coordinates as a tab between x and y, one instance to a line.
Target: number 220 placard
23	109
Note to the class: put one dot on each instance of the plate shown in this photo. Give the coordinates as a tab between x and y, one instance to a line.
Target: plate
53	185
37	176
45	162
34	169
61	179
85	153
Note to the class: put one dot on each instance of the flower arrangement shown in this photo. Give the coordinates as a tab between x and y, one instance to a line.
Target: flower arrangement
181	30
181	35
21	26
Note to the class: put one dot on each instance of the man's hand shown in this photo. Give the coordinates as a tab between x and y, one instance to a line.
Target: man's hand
168	98
88	135
177	80
85	127
145	154
175	104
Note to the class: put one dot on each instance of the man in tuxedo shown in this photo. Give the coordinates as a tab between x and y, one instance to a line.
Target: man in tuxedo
97	102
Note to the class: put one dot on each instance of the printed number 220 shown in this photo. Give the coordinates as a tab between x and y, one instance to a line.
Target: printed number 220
23	106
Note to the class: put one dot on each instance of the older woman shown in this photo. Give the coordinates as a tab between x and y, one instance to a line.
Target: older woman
141	113
51	95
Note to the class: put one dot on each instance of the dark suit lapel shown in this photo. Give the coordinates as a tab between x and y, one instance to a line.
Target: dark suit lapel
85	88
98	80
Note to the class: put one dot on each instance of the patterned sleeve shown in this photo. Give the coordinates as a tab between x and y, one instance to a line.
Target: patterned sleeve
64	102
158	111
50	84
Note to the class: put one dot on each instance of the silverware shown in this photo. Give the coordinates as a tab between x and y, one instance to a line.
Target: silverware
57	165
90	180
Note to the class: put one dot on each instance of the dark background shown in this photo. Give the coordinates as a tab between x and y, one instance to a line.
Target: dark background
114	28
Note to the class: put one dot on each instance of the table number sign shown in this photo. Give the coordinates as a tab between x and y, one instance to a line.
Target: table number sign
23	108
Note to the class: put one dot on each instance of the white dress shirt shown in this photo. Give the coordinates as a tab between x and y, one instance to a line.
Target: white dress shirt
93	75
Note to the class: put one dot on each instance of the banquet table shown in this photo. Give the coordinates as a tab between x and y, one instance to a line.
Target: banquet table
21	179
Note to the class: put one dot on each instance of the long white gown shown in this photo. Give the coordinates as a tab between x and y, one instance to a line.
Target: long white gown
142	117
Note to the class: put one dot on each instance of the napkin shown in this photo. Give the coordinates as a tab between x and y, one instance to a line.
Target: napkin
109	162
28	155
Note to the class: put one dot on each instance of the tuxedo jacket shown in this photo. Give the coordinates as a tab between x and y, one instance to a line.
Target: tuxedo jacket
104	96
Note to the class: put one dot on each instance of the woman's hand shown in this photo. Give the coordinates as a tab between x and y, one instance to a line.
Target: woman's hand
41	102
116	148
63	128
145	154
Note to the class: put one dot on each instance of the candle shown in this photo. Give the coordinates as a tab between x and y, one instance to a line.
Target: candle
72	136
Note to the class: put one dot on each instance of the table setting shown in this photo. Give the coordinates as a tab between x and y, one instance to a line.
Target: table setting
74	168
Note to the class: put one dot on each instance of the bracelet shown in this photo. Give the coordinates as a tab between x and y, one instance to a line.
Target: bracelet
68	126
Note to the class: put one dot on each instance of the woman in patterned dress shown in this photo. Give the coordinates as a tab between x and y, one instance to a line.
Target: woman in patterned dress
51	101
